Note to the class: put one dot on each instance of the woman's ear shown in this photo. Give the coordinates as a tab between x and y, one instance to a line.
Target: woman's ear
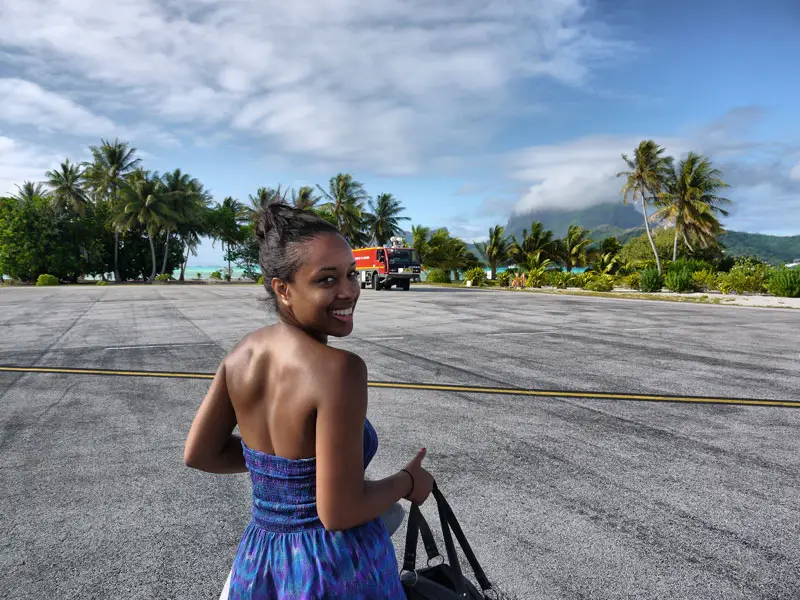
281	291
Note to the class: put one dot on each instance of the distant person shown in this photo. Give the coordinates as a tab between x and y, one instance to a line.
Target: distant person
316	528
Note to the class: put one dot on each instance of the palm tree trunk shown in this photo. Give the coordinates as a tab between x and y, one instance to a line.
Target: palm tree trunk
675	244
184	259
117	278
153	254
166	252
686	240
649	233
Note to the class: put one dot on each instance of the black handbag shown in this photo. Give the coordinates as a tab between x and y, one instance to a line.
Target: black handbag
443	581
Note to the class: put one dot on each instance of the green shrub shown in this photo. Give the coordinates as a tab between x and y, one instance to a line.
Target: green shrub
438	276
743	278
631	281
750	264
679	280
536	278
227	276
692	264
579	280
558	279
199	276
476	275
504	278
101	282
164	277
46	279
600	283
215	275
784	283
260	280
651	281
704	281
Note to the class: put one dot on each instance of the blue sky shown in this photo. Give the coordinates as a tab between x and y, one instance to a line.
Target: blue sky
465	110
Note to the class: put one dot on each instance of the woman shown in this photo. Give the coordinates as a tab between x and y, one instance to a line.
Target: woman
301	406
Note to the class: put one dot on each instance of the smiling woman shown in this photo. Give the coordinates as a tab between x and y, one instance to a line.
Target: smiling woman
318	528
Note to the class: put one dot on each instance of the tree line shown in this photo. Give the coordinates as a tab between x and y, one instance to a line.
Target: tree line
110	215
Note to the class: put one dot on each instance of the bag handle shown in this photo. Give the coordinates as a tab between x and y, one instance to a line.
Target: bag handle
417	524
451	519
452	556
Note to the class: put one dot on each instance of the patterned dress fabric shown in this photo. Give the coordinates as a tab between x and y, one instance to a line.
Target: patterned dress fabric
286	553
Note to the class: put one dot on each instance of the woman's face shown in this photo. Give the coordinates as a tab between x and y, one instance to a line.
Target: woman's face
325	290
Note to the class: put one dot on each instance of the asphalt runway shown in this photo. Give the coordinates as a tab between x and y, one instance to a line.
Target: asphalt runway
561	497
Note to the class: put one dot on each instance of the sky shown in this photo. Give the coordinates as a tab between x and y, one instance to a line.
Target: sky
465	110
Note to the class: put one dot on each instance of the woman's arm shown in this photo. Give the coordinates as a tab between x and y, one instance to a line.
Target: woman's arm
211	445
344	498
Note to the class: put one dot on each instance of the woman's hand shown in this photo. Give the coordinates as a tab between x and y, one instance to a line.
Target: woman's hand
423	481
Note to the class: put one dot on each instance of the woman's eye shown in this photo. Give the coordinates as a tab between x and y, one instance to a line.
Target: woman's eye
353	274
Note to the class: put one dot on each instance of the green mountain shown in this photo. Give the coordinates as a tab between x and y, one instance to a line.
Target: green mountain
777	249
625	222
604	220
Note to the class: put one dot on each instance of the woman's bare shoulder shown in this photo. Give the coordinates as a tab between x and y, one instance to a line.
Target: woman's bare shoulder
253	347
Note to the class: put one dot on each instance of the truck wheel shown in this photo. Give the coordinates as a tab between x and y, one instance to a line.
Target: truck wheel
406	285
374	281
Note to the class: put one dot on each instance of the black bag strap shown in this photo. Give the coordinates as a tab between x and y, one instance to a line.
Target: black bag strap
450	517
452	556
417	524
412	535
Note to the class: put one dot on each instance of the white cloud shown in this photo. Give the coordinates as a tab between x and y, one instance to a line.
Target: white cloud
385	84
22	162
580	173
575	174
26	103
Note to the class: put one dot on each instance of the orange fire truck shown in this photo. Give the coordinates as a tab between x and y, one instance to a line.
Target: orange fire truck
381	268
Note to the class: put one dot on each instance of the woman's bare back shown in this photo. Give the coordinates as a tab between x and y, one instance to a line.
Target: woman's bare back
276	378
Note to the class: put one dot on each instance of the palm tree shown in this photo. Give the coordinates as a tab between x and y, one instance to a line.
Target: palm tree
67	193
690	201
144	203
448	252
346	198
496	249
382	222
572	250
224	226
419	241
66	188
304	198
105	174
606	263
645	180
259	201
187	198
29	191
539	240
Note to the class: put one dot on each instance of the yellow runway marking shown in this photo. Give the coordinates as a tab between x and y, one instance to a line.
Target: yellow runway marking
436	387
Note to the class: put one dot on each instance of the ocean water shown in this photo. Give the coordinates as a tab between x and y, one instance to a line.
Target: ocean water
205	271
195	273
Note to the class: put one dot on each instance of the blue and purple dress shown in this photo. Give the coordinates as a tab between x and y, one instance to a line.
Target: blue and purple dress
287	553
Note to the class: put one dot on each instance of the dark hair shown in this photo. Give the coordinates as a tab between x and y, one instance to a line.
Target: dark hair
280	231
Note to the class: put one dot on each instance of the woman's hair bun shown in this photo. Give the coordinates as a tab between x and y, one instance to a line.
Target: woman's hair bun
273	218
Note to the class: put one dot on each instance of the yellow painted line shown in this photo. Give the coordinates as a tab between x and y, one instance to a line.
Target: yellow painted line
437	387
164	374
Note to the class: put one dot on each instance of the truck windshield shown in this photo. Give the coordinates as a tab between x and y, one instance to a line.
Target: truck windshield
404	254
